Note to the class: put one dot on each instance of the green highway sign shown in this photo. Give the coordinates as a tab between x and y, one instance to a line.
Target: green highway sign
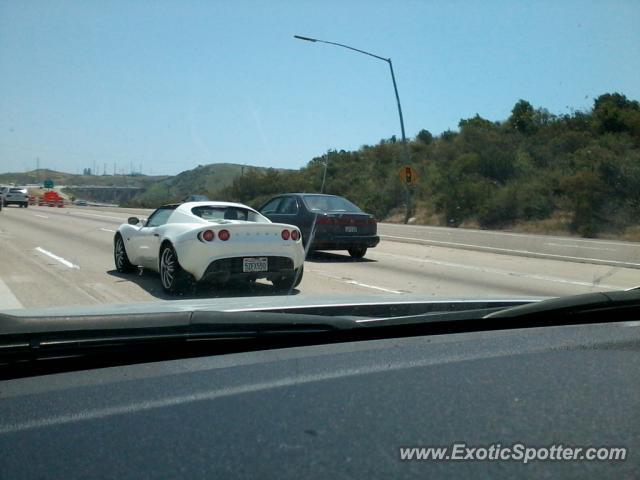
48	183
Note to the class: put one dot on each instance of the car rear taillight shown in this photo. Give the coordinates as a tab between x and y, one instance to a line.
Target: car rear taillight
285	234
206	236
372	221
295	235
224	235
323	220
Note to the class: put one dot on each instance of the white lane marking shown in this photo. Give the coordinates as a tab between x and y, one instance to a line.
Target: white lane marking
7	299
123	219
509	250
108	230
498	271
63	261
41	216
436	230
365	285
354	282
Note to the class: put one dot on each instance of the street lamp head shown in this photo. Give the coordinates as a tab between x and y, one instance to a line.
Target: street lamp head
305	38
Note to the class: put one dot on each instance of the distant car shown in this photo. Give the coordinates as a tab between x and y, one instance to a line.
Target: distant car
81	203
329	222
210	242
16	196
3	193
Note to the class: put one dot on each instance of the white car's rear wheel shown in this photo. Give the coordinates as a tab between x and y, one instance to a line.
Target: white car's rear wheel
289	282
120	257
173	278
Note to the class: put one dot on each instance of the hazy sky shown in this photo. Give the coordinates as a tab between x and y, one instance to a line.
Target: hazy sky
172	84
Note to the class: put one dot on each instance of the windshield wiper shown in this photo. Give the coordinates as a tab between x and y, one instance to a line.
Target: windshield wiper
601	307
39	334
44	345
598	307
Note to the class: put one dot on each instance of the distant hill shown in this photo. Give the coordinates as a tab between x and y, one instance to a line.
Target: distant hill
63	178
207	180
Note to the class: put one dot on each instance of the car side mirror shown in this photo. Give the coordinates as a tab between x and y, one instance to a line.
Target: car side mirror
133	220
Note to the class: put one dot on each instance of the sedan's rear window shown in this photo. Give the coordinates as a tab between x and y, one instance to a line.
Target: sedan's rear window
215	214
326	203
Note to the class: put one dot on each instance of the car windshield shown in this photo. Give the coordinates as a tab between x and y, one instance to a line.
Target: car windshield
399	149
215	214
325	203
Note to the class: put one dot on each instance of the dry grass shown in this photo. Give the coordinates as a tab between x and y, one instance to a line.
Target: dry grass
631	234
422	215
557	225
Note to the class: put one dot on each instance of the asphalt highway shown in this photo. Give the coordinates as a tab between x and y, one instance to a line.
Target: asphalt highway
64	256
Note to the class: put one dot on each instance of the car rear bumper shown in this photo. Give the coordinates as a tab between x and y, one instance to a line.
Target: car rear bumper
232	268
344	242
200	259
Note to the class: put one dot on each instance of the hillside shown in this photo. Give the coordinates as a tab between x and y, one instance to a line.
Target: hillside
575	173
63	178
207	180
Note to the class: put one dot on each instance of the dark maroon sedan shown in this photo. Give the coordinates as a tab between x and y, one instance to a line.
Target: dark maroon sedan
327	222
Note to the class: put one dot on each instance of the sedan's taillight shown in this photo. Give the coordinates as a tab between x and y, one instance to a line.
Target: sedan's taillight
324	220
224	235
285	234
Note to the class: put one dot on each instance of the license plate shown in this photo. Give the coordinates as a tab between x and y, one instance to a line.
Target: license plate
351	229
255	265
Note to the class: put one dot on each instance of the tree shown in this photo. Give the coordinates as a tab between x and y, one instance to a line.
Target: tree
614	113
522	116
585	190
424	136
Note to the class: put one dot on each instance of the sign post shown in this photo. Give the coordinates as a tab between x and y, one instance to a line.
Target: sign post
409	177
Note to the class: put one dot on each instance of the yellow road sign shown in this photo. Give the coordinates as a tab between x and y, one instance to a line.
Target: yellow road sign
408	175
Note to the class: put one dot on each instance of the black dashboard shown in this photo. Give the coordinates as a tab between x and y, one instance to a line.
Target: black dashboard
335	411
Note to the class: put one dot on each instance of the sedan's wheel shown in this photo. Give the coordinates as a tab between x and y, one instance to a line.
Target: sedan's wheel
358	252
120	258
174	279
288	282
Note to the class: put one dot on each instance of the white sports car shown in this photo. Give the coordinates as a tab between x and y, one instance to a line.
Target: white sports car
210	242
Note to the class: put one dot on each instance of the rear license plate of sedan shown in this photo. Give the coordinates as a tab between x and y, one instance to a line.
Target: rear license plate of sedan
255	265
351	229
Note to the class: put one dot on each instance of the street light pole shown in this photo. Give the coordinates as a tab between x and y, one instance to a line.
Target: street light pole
405	148
324	175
